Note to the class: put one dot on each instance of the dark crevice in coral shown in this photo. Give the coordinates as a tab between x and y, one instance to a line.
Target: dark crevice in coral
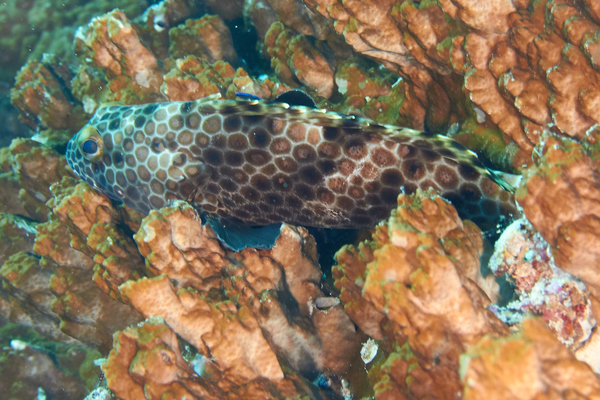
245	41
329	241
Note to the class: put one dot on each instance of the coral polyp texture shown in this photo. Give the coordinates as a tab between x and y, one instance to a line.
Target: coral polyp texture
30	28
521	65
148	303
414	287
542	288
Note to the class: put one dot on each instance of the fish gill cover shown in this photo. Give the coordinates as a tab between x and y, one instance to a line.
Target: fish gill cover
142	300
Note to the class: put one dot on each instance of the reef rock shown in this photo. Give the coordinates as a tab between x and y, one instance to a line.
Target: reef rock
415	285
249	311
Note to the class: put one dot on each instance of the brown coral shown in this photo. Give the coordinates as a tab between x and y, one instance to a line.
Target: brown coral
28	171
419	274
529	364
26	297
560	198
16	235
226	9
78	251
42	93
31	372
112	43
522	64
255	284
207	38
294	59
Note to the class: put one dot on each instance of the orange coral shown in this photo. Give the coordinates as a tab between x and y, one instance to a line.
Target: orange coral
372	29
560	198
42	94
80	244
235	307
416	281
146	362
522	64
231	337
207	38
414	241
294	58
150	353
111	42
381	96
192	78
529	364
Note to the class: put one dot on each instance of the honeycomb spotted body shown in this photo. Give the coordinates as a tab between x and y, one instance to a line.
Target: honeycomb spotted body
258	163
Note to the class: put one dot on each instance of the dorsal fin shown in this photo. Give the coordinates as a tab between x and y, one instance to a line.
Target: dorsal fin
296	97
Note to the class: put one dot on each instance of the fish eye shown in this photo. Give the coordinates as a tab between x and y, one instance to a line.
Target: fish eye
91	143
89	147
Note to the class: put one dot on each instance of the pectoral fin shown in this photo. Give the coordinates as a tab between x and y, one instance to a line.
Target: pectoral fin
238	237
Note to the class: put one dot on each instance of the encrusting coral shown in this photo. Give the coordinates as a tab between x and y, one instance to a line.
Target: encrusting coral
542	288
207	38
28	169
30	28
559	196
414	284
170	312
81	245
522	64
564	170
529	364
245	309
42	93
294	59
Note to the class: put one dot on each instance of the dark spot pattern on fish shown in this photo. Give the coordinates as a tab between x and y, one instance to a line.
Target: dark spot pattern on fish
259	163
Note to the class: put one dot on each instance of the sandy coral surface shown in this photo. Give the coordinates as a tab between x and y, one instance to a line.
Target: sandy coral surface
103	299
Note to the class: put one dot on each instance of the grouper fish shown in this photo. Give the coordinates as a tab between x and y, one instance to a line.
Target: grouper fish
247	162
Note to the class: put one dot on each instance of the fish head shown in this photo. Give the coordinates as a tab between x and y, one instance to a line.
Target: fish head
123	154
